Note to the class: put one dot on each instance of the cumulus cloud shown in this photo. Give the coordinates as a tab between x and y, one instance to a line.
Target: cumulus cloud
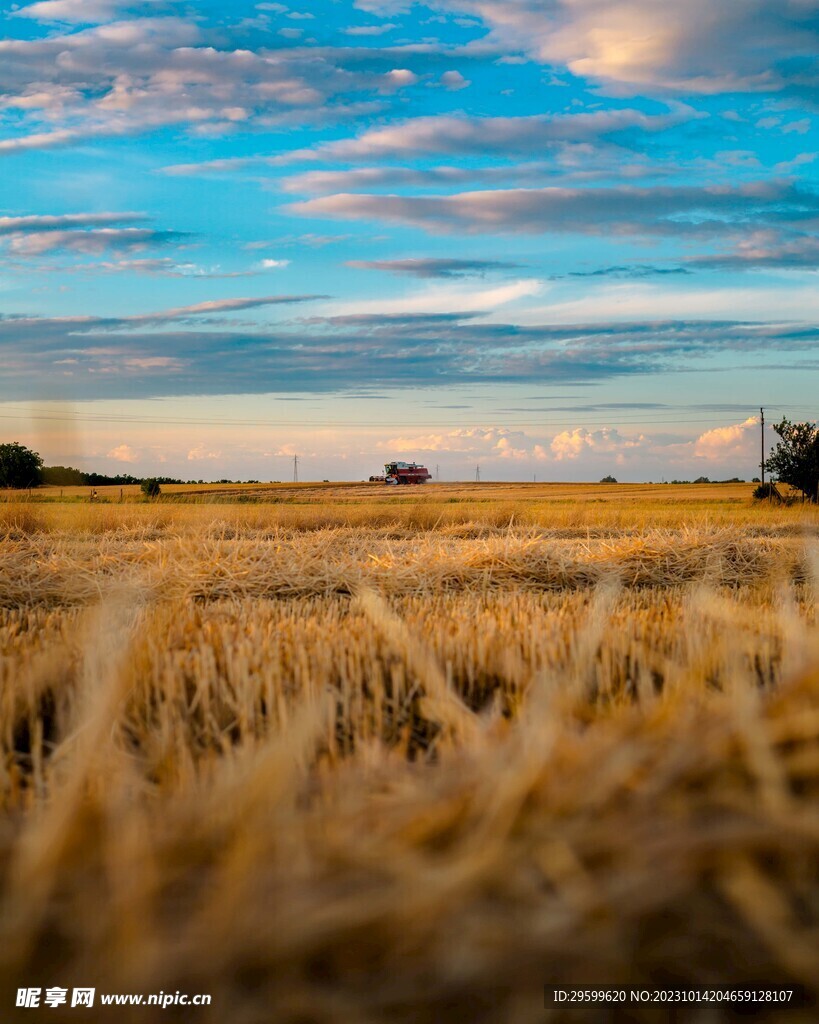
125	453
580	442
739	439
399	78
486	442
454	81
202	453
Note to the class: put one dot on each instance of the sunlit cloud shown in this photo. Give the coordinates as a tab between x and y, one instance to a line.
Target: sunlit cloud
722	442
124	453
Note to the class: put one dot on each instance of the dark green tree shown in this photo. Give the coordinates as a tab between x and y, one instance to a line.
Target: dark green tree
795	460
150	487
19	466
608	480
63	476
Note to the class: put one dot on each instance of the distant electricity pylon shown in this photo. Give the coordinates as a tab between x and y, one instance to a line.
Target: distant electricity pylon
295	469
477	474
762	441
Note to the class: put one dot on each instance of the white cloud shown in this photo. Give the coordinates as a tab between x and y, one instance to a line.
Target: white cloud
125	453
368	30
216	306
483	442
637	301
201	453
274	264
684	211
146	73
454	81
739	439
80	11
399	78
580	442
48	222
461	135
696	47
92	242
446	298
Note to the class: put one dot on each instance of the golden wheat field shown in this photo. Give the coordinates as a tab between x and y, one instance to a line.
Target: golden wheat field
366	755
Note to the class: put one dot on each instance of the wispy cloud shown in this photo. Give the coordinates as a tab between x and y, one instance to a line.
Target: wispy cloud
129	356
434	267
682	211
64	222
88	233
763	249
483	135
93	242
212	306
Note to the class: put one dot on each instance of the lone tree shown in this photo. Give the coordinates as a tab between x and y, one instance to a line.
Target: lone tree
150	488
19	466
795	460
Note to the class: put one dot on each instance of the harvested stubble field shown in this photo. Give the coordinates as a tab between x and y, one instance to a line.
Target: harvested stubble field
341	755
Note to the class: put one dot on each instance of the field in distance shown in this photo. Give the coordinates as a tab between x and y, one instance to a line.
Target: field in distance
343	753
560	507
458	490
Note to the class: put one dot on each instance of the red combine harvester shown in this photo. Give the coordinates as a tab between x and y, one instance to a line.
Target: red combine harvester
403	473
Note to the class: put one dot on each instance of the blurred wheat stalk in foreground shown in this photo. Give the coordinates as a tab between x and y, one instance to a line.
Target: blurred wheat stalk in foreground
356	775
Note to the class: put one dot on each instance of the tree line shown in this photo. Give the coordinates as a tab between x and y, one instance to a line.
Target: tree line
21	468
794	461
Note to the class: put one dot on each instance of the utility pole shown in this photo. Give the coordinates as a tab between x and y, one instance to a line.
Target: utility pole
478	474
762	442
295	469
437	473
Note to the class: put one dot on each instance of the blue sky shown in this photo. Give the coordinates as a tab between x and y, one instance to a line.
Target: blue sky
559	238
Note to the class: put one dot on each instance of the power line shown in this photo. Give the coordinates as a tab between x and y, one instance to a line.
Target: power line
579	420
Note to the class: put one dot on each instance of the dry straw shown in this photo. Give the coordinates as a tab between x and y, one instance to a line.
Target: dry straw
375	775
